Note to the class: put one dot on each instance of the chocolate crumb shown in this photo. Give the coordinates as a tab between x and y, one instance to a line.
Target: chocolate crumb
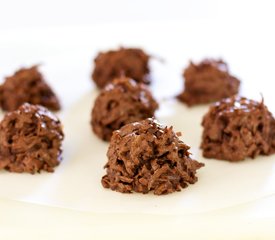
128	62
27	85
30	140
121	102
236	128
145	156
207	82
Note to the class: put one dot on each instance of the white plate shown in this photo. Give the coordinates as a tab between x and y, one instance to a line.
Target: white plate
76	182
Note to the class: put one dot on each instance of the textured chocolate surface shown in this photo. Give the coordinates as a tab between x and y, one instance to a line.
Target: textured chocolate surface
27	85
30	140
129	62
236	128
145	156
121	102
208	81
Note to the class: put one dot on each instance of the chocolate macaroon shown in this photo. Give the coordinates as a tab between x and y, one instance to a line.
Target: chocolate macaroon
30	140
129	62
121	102
27	85
145	156
207	82
236	128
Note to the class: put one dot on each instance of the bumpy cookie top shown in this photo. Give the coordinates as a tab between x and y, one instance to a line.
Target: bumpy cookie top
236	128
121	102
145	156
27	85
129	62
30	140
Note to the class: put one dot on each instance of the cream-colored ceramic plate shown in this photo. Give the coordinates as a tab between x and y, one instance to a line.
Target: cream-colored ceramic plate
67	57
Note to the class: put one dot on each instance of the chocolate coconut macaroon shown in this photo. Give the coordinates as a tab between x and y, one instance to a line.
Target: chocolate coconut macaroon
145	156
121	102
208	81
236	128
27	85
130	62
30	140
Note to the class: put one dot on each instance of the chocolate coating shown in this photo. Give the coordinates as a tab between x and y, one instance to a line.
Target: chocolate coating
236	128
27	85
129	62
145	156
121	102
30	140
208	81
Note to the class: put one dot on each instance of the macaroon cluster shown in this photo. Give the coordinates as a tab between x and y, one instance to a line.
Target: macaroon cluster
145	156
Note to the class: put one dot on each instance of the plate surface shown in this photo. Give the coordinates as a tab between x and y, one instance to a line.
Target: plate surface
76	182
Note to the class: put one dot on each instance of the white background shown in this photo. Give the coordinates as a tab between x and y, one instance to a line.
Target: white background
30	13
